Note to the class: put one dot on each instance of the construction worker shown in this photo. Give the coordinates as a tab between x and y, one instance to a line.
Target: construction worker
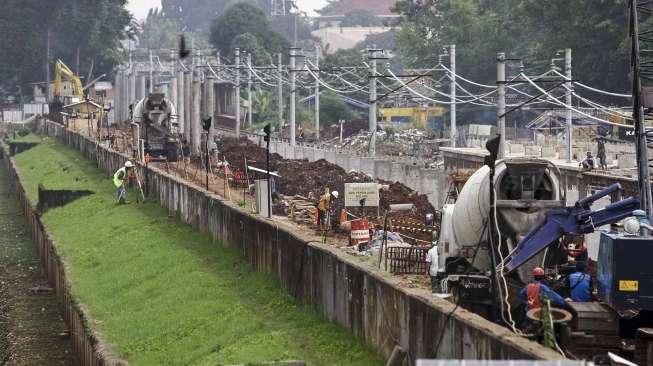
588	162
324	206
119	178
434	272
531	295
580	284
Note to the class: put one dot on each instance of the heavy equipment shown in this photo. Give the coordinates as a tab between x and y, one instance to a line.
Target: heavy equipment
157	118
530	219
61	96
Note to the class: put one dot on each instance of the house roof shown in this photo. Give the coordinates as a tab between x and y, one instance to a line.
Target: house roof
376	7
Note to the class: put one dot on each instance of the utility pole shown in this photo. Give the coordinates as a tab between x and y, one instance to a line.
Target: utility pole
293	76
372	111
317	94
280	89
237	56
501	102
249	90
570	85
47	67
151	89
452	108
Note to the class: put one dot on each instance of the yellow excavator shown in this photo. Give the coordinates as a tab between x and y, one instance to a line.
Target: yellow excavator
62	71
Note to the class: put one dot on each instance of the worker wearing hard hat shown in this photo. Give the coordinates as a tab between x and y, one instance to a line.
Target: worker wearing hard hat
531	295
324	206
119	178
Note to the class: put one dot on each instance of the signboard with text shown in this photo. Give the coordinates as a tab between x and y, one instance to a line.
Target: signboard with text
355	192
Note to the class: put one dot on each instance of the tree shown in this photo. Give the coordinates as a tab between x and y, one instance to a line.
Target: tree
239	20
85	34
159	31
333	109
530	29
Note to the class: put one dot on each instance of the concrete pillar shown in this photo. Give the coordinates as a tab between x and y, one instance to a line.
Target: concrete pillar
173	90
180	101
125	96
132	88
116	98
187	103
210	102
140	87
195	116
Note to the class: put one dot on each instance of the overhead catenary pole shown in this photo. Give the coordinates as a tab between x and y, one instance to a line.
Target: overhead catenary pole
249	90
568	116
280	89
452	109
293	76
373	102
195	118
47	66
180	100
317	94
151	89
237	99
501	102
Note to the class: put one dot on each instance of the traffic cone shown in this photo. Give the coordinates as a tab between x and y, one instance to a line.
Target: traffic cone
343	215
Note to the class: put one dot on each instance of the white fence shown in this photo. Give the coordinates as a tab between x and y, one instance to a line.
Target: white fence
23	112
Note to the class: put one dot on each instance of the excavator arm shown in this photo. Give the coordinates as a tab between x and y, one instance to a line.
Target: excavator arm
60	71
579	219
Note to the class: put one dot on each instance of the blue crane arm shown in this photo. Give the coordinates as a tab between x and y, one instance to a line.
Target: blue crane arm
579	219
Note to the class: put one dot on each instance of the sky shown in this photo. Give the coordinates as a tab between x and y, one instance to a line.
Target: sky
140	7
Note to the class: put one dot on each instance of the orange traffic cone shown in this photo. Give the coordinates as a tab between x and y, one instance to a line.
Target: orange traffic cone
343	215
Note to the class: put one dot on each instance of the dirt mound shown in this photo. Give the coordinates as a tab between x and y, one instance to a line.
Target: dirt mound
237	151
304	178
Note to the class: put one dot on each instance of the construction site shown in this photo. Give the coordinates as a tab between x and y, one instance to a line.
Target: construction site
193	206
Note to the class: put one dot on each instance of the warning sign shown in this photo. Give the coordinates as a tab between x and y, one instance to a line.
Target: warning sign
355	192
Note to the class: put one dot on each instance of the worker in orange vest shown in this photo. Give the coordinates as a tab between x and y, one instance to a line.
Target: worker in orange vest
531	295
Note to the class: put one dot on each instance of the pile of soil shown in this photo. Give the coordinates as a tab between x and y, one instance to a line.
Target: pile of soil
304	178
237	150
300	177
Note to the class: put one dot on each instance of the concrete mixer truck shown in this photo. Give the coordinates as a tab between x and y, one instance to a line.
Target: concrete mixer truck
525	190
157	118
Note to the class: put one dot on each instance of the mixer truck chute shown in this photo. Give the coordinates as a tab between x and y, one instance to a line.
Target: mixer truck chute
157	117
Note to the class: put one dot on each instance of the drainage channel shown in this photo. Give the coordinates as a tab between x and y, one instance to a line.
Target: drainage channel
32	331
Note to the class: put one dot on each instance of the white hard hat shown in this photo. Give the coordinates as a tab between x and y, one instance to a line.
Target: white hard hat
335	194
128	164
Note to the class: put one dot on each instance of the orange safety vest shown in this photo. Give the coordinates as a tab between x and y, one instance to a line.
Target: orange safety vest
533	296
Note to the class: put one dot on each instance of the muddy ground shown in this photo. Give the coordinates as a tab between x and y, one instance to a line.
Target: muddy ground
32	331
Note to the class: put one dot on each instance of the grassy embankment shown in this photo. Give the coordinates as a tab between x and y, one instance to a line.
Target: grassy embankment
161	292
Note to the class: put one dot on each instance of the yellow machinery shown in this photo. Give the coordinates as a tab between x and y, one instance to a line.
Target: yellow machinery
418	116
63	71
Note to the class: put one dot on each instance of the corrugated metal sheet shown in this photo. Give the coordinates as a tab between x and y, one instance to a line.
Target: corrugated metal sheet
35	108
12	115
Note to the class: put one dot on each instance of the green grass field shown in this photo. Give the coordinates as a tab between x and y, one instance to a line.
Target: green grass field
163	293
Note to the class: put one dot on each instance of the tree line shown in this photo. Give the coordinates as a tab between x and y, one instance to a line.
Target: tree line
85	34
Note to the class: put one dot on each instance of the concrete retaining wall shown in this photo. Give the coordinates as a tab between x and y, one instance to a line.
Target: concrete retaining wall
86	344
369	303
